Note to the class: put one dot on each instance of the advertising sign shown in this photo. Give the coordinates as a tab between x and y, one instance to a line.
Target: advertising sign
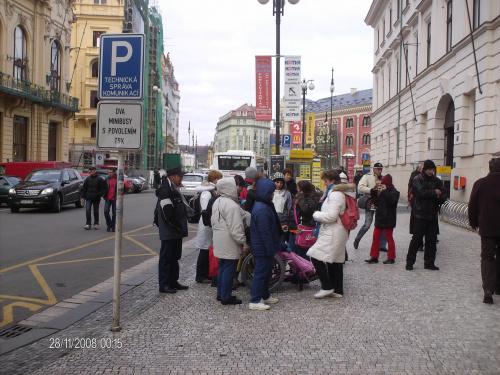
310	128
263	81
119	125
316	173
296	133
293	90
277	164
305	171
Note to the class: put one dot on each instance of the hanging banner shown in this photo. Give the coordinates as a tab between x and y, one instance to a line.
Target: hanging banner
296	133
310	128
264	96
292	88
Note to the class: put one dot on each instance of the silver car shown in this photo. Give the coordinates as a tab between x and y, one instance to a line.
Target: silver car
190	181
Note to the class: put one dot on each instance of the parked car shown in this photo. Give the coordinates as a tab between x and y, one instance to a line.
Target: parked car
47	188
6	182
143	182
189	183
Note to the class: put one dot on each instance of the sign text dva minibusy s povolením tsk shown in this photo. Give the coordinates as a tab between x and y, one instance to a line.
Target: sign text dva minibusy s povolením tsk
119	125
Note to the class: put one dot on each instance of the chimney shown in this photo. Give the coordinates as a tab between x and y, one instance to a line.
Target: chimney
353	90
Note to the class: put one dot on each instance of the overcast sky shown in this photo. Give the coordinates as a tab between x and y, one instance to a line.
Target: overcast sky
213	44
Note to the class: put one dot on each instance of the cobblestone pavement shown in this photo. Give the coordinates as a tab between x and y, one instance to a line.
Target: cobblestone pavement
391	321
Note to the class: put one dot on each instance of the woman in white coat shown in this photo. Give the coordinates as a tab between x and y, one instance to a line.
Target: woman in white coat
229	238
332	238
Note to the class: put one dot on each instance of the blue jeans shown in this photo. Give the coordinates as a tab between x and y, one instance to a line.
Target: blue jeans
368	223
295	249
261	276
88	211
110	222
227	269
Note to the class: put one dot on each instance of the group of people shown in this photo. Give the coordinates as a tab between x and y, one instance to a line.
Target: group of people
94	189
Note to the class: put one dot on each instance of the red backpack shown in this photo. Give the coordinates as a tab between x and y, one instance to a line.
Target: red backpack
350	216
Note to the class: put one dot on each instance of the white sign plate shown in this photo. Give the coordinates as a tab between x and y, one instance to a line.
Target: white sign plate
293	91
119	125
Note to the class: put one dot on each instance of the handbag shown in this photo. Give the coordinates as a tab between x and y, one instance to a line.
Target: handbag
364	202
305	235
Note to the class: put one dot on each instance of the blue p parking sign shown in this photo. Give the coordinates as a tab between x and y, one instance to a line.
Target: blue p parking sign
121	67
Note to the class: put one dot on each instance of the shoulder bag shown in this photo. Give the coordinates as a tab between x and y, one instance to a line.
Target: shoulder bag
305	235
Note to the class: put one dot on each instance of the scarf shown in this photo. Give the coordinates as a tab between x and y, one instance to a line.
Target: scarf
276	218
322	200
279	200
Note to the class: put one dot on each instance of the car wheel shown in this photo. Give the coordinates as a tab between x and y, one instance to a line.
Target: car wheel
79	204
56	206
14	209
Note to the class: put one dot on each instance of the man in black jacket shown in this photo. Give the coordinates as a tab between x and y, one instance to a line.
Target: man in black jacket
93	189
429	194
172	226
484	205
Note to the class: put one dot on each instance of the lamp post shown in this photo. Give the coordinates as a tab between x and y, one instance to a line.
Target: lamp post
157	90
278	11
332	89
304	87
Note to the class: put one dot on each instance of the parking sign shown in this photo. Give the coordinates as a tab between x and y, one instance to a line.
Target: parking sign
121	67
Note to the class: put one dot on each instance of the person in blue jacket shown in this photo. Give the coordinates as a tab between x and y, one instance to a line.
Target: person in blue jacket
265	242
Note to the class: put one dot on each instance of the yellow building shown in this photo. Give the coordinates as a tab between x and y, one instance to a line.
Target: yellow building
93	18
35	73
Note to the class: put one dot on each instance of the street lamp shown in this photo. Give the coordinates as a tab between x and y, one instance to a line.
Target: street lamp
304	87
278	11
332	89
157	90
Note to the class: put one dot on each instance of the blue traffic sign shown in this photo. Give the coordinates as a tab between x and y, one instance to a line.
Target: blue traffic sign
286	141
121	67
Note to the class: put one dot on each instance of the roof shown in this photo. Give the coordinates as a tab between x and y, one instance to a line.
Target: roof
359	98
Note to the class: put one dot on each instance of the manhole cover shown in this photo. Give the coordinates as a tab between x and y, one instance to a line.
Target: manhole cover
14	331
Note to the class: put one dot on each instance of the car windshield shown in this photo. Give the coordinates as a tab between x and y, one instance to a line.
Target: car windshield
192	178
51	176
234	163
14	180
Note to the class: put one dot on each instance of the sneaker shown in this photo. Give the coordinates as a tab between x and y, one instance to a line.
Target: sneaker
87	227
323	293
487	297
269	301
96	226
336	295
356	244
258	306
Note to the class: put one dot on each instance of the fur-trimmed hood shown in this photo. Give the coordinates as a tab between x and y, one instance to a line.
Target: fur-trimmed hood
205	186
346	188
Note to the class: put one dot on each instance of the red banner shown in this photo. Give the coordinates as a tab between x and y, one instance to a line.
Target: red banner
263	72
296	134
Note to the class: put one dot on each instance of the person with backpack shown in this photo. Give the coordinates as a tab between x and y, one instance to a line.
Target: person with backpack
204	239
92	191
332	238
385	198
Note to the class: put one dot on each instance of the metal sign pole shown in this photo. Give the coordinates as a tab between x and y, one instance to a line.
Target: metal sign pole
118	244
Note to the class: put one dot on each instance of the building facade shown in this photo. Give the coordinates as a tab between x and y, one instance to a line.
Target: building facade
436	87
36	107
238	130
171	110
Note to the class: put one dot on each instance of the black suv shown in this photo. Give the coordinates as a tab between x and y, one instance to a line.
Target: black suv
47	188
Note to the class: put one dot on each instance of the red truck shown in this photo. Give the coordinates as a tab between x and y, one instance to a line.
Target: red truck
22	168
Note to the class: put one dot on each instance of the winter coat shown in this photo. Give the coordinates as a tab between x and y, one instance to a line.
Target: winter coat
227	223
287	208
204	237
387	206
305	205
425	203
264	232
172	213
94	188
332	238
367	183
291	186
250	201
484	205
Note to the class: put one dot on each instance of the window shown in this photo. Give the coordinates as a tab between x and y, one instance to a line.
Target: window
95	69
367	121
349	123
378	37
20	58
96	2
429	44
397	9
93	130
52	146
349	140
55	67
407	72
416	57
20	138
383	30
449	25
96	38
238	132
476	14
398	78
366	139
93	99
389	81
72	175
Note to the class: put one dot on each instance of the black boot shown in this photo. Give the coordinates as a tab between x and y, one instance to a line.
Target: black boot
371	260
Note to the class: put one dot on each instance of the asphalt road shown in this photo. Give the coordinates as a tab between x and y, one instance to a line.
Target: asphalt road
46	258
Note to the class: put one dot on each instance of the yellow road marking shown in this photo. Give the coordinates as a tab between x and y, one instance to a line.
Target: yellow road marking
8	316
141	245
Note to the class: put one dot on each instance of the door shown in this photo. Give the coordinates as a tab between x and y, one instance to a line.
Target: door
449	134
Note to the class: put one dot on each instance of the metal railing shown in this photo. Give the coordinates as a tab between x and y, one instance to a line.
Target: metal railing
455	213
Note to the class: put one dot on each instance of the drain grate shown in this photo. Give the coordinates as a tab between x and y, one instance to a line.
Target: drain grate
14	331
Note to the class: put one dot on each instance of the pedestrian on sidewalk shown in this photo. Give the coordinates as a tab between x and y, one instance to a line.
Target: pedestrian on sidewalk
416	172
92	192
204	236
429	194
369	182
265	242
252	192
172	227
250	174
241	188
282	200
229	238
110	195
331	243
386	200
484	206
290	183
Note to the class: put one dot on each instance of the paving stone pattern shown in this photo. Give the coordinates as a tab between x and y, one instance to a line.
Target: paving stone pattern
391	321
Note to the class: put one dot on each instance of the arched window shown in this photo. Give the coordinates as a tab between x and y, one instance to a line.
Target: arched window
349	123
366	139
349	140
95	69
93	130
367	121
20	60
55	67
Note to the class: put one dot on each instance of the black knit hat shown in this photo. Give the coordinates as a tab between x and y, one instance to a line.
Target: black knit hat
429	164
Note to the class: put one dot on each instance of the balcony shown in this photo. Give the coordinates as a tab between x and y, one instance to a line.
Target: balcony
36	93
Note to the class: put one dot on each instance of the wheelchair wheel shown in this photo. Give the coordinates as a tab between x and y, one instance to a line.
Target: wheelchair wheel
277	273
